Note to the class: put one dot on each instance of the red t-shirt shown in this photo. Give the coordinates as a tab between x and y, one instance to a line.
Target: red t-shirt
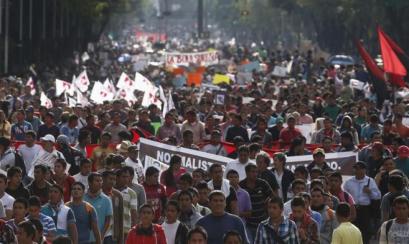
157	238
154	196
171	189
66	186
287	135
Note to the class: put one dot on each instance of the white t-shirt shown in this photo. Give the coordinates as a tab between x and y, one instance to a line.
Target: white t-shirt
83	179
28	154
239	167
7	201
215	149
170	231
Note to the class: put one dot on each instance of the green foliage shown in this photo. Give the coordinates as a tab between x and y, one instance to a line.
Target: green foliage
333	24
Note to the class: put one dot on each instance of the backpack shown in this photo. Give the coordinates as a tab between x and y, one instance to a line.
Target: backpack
88	209
388	227
19	162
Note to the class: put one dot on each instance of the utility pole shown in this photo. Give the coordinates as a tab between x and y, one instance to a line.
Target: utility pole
200	18
6	37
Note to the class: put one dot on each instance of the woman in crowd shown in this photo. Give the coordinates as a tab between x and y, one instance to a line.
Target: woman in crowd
170	177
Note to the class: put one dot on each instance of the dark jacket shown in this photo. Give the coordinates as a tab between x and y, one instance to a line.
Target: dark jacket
286	181
181	234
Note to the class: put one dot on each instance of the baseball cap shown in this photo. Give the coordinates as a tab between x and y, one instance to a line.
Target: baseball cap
48	137
318	150
279	155
63	139
403	151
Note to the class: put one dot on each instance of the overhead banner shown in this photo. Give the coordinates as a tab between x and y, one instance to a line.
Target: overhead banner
201	58
153	151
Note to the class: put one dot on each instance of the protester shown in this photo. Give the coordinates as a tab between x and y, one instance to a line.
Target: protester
171	176
197	235
146	231
346	232
116	228
34	210
219	222
175	231
276	228
15	186
130	200
283	176
29	150
363	189
240	164
328	219
307	227
155	193
85	215
395	230
62	215
102	205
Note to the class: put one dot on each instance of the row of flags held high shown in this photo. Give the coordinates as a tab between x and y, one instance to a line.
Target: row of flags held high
76	92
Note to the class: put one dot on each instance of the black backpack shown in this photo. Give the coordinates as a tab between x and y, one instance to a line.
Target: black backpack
388	227
19	162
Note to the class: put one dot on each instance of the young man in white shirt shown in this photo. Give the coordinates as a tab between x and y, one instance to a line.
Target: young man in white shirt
240	163
5	198
396	230
29	150
175	231
85	170
215	146
133	161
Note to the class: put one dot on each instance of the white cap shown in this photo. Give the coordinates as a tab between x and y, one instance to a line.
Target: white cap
48	137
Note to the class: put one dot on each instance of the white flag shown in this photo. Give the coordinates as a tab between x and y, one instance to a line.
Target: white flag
127	95
82	81
81	99
142	83
30	83
165	103
171	104
125	82
71	102
45	101
150	97
99	94
85	57
63	86
289	66
109	86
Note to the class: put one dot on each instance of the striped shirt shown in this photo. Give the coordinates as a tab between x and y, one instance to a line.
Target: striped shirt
48	224
287	231
258	196
130	203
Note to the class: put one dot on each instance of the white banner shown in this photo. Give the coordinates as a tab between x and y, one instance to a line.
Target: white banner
193	159
280	71
201	58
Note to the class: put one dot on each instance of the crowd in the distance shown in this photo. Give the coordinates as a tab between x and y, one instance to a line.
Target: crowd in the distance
55	189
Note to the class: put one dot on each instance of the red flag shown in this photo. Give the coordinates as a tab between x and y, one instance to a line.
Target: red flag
391	42
370	63
391	62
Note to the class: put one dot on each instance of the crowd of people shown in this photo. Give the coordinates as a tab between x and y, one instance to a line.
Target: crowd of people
53	189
